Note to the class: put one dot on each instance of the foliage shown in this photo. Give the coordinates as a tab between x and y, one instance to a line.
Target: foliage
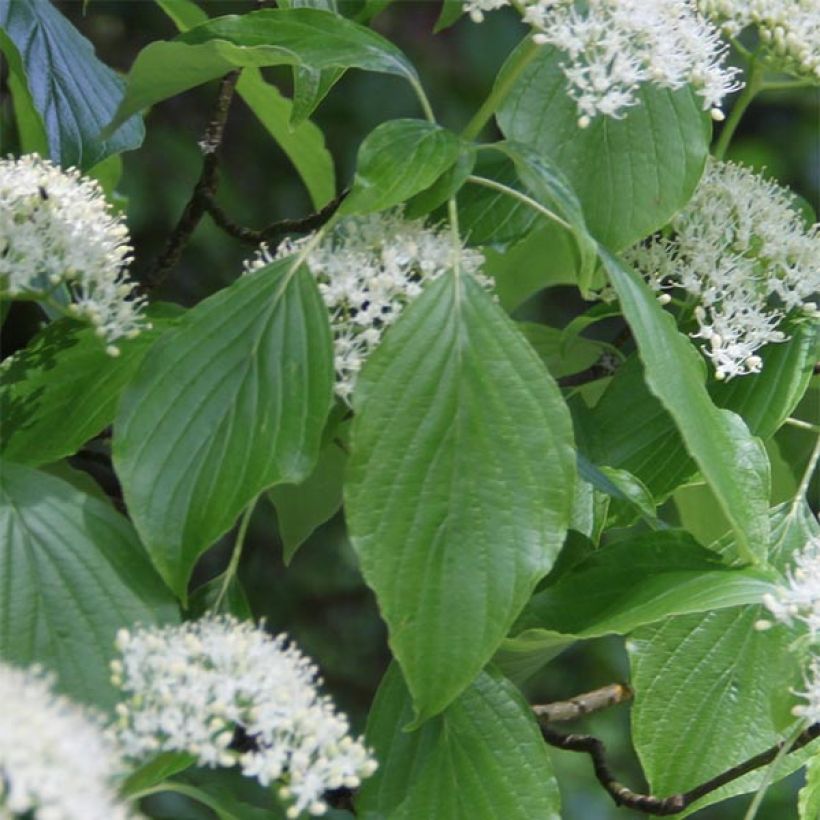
510	485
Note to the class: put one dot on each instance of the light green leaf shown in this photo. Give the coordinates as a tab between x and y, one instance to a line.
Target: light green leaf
72	573
482	757
459	487
301	508
808	800
732	461
62	389
204	598
631	174
547	343
712	691
444	187
74	93
615	590
302	36
398	159
304	144
231	402
159	768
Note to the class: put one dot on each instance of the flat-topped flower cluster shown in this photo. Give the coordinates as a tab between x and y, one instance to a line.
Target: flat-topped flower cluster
201	686
613	47
368	269
743	254
56	762
59	238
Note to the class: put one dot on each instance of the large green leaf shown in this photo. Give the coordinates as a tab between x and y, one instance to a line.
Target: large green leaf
459	485
303	143
482	757
302	36
631	174
398	159
614	590
74	93
231	402
72	572
711	690
732	461
809	797
62	389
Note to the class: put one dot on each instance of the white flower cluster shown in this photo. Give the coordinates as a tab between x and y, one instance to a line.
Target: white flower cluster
478	8
56	228
368	269
197	687
798	600
55	760
789	30
615	46
741	251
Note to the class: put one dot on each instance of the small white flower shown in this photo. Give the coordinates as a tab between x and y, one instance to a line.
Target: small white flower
56	228
810	710
798	599
615	46
740	249
193	688
55	760
788	30
477	8
368	269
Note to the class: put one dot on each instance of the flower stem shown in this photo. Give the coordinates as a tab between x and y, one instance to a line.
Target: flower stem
504	82
754	83
230	572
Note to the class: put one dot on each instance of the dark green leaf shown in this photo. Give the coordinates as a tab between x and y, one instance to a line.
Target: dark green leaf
74	93
483	757
310	37
301	508
547	343
732	461
231	402
631	174
459	486
398	159
152	773
72	573
310	87
712	691
444	187
63	389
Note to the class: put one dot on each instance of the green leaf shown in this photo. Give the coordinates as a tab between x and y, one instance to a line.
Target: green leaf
159	768
310	87
398	159
62	390
712	691
615	590
482	757
451	12
304	144
631	174
205	597
808	799
547	343
301	508
74	93
30	129
231	402
767	399
732	461
444	187
459	486
72	573
303	36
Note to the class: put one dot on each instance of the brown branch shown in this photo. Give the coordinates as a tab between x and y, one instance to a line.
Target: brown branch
204	188
662	806
585	704
275	232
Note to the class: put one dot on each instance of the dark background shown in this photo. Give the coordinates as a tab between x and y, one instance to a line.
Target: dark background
320	599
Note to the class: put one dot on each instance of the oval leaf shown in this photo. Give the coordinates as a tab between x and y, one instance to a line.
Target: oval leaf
73	92
482	757
459	486
303	36
398	159
732	461
631	174
72	573
231	402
